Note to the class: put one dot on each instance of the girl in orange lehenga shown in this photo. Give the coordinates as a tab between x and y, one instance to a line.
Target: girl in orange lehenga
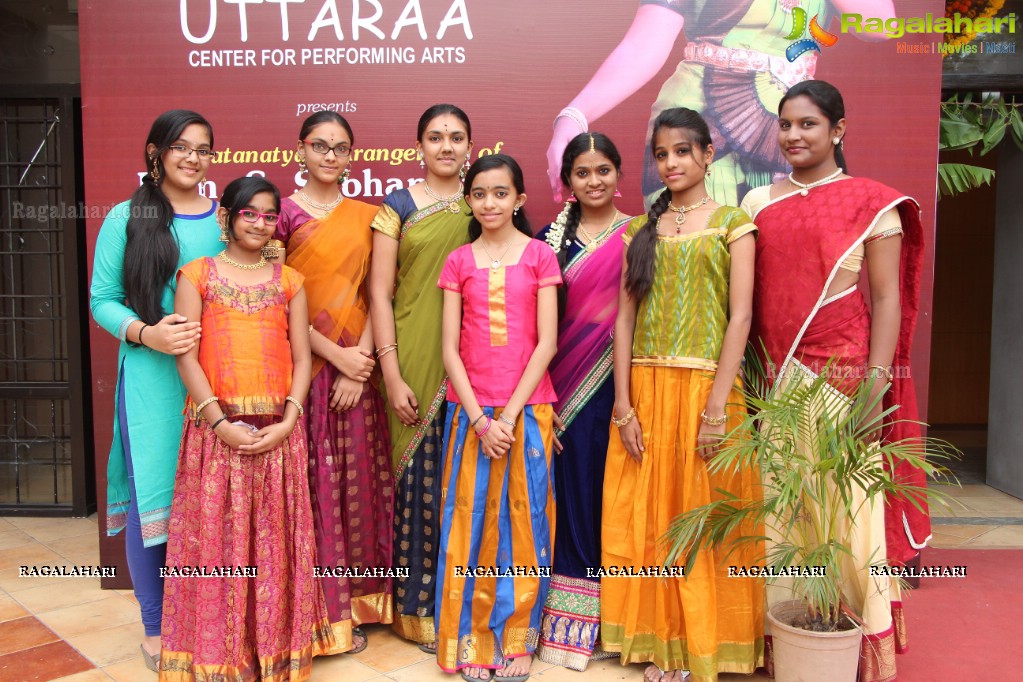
683	319
241	497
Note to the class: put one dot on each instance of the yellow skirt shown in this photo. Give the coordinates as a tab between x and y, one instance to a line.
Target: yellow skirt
706	622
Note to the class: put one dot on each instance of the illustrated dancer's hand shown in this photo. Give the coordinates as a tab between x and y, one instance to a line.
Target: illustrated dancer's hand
404	403
708	440
497	440
268	437
354	362
564	130
235	436
559	426
173	335
345	393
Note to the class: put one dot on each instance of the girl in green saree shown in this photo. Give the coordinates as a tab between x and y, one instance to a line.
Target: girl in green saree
414	231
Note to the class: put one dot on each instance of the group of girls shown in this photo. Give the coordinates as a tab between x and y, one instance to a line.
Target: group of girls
412	386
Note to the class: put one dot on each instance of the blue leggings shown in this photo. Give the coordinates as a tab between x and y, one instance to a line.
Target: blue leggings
144	563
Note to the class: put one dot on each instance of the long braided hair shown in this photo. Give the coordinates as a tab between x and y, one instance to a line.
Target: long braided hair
641	256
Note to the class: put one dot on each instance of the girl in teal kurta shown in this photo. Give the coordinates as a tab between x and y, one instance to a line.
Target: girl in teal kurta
142	243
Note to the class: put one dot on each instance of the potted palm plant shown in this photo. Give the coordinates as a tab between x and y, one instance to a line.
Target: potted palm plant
822	469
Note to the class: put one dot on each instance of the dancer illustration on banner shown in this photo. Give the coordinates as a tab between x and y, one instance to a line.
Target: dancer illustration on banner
734	71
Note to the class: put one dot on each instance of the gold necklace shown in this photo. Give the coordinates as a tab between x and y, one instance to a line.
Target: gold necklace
324	208
242	266
804	188
451	201
593	243
680	219
495	263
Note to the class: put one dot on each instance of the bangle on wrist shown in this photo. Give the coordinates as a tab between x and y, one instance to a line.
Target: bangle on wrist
142	329
202	406
477	419
479	434
294	401
384	350
624	420
506	420
883	370
713	421
213	426
576	116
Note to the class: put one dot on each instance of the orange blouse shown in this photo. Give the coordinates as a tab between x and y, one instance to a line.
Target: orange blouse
244	351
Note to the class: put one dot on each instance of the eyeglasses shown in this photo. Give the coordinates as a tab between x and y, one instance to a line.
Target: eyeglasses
340	151
251	216
182	150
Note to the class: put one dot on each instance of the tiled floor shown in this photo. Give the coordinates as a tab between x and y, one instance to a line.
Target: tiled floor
69	629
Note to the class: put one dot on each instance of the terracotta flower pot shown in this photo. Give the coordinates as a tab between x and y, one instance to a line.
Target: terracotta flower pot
804	656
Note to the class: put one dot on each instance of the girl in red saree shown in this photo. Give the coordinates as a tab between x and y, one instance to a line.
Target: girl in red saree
328	239
818	228
587	238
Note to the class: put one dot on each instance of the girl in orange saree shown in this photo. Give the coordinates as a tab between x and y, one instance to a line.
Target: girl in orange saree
328	239
817	229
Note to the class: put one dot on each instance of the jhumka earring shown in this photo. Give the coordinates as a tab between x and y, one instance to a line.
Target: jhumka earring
346	173
301	165
465	168
155	172
708	170
617	194
224	237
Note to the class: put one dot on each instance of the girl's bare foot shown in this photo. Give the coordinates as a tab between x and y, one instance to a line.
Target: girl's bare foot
515	667
652	673
477	673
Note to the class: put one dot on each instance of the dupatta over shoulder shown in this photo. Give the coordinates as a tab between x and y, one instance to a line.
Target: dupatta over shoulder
333	253
583	361
803	241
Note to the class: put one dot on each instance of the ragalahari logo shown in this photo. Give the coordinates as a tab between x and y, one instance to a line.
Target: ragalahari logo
818	36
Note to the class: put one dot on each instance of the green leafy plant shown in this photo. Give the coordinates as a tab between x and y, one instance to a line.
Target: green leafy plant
967	124
819	470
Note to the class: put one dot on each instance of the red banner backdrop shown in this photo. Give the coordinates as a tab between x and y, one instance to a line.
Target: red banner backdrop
257	68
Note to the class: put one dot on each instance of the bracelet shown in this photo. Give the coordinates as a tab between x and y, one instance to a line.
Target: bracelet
713	421
294	401
142	329
213	426
479	434
624	420
477	419
507	421
202	405
576	117
384	350
884	370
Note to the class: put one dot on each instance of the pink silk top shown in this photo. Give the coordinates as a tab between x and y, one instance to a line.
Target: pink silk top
499	331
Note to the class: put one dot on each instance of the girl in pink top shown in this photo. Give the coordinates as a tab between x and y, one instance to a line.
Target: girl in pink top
497	525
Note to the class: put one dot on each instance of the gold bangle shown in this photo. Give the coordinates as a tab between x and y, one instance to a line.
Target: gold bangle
624	420
294	401
201	406
713	421
884	370
386	350
383	349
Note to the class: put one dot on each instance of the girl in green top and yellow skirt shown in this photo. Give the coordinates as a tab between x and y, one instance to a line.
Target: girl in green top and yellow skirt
683	321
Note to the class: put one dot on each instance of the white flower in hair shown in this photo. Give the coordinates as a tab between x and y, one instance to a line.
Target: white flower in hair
556	235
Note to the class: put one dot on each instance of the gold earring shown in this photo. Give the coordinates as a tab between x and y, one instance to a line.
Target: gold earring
346	173
155	172
224	237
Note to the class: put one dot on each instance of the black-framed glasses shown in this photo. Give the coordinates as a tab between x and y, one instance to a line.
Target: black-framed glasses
250	216
321	147
182	150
